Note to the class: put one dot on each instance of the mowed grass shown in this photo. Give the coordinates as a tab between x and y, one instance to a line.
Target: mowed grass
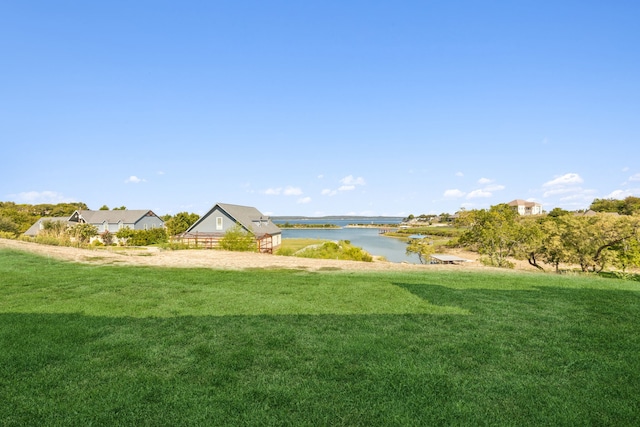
112	345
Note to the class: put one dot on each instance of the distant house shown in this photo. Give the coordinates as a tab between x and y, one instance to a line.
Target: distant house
40	224
222	217
105	220
526	208
115	220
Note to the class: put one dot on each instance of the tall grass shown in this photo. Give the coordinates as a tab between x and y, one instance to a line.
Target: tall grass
87	345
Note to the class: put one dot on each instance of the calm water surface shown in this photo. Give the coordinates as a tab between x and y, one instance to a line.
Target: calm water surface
368	239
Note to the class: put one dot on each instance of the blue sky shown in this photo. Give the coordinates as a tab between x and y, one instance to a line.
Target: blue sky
319	107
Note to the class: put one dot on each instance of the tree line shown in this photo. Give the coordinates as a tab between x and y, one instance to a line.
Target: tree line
594	241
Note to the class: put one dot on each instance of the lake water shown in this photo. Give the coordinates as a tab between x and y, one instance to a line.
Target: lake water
368	239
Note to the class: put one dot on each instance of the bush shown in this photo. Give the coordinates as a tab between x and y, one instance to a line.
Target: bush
343	250
173	246
285	251
503	263
147	237
238	239
45	239
107	238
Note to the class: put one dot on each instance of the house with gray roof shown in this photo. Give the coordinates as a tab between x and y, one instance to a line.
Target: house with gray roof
112	221
105	220
222	217
39	225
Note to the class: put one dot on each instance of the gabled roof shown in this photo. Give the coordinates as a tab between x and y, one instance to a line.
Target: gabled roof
35	228
520	202
113	217
248	217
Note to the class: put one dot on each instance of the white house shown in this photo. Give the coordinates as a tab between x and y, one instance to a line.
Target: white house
526	208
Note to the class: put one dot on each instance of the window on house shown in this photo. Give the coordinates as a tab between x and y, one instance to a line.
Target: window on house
219	223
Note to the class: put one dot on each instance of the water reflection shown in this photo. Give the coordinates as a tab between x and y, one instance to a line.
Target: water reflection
368	239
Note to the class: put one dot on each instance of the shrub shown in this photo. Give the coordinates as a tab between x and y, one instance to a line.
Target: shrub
8	226
491	262
285	251
238	239
341	250
147	237
107	237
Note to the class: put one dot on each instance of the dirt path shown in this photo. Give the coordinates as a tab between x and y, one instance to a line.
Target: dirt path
217	259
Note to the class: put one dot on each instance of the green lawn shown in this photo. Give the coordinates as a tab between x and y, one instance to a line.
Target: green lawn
85	345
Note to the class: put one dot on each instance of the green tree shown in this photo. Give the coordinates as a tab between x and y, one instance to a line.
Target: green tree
554	251
422	248
628	206
123	235
83	232
7	225
238	239
495	233
104	208
592	241
631	206
531	247
180	222
627	254
556	212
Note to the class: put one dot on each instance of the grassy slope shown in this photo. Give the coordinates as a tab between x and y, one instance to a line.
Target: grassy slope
125	345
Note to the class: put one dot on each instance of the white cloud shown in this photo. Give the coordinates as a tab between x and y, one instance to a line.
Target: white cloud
566	179
635	177
494	187
576	197
478	193
273	191
484	181
350	180
460	174
292	191
134	180
558	191
349	183
304	200
37	197
568	188
454	194
287	191
621	194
